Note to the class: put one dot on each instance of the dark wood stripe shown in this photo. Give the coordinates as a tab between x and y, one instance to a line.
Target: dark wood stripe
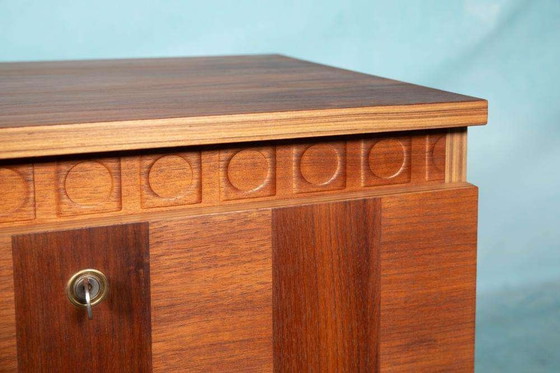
326	287
55	336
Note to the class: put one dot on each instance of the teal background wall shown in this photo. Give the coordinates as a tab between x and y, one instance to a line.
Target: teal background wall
505	51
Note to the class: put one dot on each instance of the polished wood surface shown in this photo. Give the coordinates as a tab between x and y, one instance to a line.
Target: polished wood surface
70	188
53	108
428	281
212	293
70	92
55	336
178	226
326	287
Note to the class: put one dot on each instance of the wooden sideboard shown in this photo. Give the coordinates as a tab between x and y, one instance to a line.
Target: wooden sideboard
249	214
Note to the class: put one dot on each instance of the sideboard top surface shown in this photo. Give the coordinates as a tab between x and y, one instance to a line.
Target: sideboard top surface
66	107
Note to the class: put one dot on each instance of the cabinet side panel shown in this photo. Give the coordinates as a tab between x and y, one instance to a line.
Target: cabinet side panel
212	293
428	279
325	270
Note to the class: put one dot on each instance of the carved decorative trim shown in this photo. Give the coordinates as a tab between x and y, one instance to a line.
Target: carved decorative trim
386	161
247	172
89	186
170	179
222	175
435	157
17	194
319	167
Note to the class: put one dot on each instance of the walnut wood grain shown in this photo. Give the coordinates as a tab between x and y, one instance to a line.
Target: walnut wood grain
212	293
326	287
55	336
53	108
173	226
68	188
428	280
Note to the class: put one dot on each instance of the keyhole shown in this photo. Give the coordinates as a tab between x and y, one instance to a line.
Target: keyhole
93	287
96	284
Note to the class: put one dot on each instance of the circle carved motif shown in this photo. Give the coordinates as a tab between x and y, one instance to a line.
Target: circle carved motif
320	164
89	183
13	189
248	170
387	158
170	176
439	149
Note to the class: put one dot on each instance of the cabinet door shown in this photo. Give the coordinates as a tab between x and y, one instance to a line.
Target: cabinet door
376	285
55	336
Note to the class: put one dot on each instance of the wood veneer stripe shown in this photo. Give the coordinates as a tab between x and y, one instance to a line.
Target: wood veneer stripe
326	287
212	293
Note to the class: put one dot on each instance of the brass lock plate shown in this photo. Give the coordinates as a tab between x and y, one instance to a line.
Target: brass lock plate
98	287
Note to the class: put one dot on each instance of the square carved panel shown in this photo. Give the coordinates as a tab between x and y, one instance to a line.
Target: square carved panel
247	173
17	197
435	157
386	160
171	179
319	167
89	186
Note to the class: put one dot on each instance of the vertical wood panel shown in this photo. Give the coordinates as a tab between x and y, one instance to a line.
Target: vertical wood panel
428	266
55	336
456	155
326	287
212	293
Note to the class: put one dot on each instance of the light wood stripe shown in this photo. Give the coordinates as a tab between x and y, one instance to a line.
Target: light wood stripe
36	141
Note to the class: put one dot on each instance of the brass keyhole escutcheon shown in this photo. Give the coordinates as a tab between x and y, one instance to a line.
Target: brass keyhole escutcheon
87	288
